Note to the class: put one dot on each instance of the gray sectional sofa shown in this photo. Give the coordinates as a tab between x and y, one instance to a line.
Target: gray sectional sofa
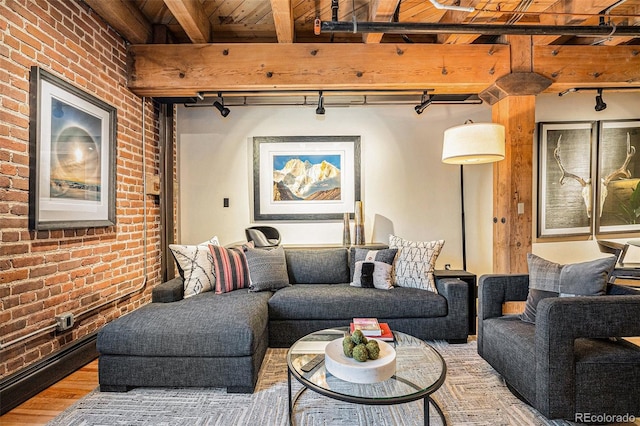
219	340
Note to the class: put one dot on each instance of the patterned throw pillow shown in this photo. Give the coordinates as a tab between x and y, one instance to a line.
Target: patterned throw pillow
373	268
230	268
267	269
416	262
195	266
550	279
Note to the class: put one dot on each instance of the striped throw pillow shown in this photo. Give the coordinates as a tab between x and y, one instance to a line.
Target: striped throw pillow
230	268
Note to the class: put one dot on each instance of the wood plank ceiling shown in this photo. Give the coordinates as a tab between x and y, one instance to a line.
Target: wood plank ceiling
210	45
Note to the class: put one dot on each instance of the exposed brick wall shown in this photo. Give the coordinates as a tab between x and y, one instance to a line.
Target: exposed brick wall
46	273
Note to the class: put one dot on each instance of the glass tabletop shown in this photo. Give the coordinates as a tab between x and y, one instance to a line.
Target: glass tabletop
420	370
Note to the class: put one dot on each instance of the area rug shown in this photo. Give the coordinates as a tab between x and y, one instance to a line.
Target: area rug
473	394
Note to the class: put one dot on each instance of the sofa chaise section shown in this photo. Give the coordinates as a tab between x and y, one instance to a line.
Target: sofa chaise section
214	340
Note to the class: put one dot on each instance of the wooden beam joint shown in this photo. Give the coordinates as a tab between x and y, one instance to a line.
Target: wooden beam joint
515	84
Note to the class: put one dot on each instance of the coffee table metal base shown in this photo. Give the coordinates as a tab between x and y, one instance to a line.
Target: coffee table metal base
426	400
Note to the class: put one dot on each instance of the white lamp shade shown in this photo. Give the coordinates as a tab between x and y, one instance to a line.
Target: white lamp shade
473	143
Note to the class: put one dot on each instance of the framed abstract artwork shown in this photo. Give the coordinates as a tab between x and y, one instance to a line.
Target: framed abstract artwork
305	177
72	142
565	176
618	192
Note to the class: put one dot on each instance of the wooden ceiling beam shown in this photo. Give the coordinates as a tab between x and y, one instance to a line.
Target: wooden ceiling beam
184	70
588	66
125	18
192	19
283	20
561	13
457	17
380	11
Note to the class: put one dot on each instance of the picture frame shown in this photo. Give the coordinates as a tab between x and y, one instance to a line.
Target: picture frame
72	156
330	186
618	171
565	176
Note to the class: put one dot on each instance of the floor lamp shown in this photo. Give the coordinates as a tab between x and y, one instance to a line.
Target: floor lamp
472	143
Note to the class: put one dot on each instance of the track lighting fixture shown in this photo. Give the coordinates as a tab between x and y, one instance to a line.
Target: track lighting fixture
200	96
424	103
320	109
220	106
600	105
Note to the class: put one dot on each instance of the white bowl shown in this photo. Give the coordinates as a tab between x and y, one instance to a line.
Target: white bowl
350	370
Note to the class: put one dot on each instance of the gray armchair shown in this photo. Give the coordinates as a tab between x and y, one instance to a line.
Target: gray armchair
571	363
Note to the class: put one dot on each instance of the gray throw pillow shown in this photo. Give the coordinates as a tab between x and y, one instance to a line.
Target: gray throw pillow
549	279
267	269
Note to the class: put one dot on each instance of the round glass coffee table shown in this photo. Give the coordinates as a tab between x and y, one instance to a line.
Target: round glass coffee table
420	371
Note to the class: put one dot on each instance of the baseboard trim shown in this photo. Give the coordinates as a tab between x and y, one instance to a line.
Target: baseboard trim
24	384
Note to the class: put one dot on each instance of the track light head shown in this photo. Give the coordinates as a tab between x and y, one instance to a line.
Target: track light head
224	111
424	103
600	105
320	109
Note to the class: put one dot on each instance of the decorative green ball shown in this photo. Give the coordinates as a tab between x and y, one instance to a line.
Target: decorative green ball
358	338
360	353
347	346
373	348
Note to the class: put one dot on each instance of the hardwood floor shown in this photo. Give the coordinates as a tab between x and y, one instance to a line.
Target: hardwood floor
52	401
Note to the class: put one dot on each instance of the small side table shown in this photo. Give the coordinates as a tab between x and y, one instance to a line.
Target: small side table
472	291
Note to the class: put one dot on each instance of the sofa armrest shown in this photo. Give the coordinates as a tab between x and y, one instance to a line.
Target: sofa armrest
169	291
495	290
561	320
456	292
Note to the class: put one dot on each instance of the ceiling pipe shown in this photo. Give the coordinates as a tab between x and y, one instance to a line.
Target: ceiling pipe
482	29
441	6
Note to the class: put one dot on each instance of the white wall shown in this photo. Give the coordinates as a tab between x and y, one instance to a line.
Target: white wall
406	189
579	106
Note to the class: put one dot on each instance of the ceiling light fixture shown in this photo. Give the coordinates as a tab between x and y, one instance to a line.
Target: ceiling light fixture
600	105
220	106
320	109
425	101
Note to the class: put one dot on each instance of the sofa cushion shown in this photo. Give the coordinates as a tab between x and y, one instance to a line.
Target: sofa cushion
267	269
230	268
343	302
415	262
209	324
373	268
508	344
310	266
195	266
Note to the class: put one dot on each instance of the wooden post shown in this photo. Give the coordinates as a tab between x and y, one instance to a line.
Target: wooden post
512	185
513	176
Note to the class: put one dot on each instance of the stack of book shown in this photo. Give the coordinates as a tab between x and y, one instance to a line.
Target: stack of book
370	327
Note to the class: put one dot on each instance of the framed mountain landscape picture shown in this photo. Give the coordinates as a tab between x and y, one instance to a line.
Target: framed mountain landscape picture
305	177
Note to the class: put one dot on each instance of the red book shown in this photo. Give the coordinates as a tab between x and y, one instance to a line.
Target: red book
385	335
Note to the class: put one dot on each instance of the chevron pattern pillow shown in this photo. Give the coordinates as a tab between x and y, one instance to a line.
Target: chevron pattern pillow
195	266
415	262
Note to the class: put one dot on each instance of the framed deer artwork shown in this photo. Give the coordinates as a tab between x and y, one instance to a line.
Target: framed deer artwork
618	192
565	176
